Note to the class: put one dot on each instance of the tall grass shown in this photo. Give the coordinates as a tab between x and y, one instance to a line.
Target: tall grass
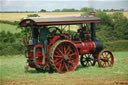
18	16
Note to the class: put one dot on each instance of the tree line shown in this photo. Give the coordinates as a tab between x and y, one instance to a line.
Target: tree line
66	10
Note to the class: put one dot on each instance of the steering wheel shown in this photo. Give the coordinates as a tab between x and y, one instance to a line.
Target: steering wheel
54	31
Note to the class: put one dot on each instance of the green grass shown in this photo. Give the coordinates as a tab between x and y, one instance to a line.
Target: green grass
8	27
13	66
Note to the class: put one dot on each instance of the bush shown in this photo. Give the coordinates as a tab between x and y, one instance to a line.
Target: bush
9	22
120	45
10	43
33	15
10	48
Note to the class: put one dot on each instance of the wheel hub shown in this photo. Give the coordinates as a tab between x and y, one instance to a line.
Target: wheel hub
66	57
88	59
105	59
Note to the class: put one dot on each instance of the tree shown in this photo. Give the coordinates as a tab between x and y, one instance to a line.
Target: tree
57	10
120	25
70	10
43	10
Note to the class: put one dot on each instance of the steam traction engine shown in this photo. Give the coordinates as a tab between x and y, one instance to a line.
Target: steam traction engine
50	46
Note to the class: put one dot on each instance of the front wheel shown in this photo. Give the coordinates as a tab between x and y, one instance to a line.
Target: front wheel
105	58
87	60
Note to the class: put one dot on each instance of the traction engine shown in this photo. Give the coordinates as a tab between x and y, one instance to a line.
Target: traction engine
51	49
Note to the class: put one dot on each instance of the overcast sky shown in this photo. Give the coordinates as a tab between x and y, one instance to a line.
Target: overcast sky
37	5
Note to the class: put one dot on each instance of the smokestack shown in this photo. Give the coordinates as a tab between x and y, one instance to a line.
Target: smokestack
92	13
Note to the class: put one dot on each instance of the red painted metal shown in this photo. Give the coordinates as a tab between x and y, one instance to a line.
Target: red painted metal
105	58
39	56
85	47
53	40
27	22
70	22
58	21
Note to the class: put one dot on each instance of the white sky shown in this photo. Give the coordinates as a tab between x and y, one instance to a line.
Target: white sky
36	5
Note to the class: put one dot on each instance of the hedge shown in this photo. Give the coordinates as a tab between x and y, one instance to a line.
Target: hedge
120	45
9	22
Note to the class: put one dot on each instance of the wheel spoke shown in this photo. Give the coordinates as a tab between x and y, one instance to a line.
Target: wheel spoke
106	55
60	66
59	62
91	62
102	59
67	49
57	52
71	58
58	56
70	63
103	64
66	66
62	48
108	63
103	55
60	51
72	54
68	52
56	60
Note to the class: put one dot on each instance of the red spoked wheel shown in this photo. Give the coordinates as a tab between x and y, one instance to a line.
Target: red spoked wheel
105	58
64	56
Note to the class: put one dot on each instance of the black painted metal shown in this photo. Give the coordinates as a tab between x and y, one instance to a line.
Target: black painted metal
99	45
93	31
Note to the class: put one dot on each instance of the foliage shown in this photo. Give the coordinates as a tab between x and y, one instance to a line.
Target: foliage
70	10
43	10
119	45
66	10
112	27
9	22
33	15
10	43
56	10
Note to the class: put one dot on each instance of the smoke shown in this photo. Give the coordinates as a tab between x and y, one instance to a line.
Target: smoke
91	3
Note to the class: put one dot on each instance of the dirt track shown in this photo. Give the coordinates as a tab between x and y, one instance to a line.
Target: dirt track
66	80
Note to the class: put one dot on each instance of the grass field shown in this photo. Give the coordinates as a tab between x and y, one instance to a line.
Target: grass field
18	16
8	27
12	73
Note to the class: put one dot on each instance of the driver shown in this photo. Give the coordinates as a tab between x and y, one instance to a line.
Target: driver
43	37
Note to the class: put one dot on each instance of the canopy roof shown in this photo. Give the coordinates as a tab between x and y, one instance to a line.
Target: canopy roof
58	20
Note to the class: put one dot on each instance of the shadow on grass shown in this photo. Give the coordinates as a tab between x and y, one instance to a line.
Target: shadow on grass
36	71
79	67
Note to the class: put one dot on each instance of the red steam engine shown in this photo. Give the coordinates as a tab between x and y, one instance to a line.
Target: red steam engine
51	45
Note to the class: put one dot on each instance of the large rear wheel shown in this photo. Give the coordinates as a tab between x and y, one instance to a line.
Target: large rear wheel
64	56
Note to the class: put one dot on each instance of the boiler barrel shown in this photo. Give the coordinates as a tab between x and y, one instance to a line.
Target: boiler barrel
89	47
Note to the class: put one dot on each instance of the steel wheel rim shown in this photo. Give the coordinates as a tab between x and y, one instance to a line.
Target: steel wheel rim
105	59
65	57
